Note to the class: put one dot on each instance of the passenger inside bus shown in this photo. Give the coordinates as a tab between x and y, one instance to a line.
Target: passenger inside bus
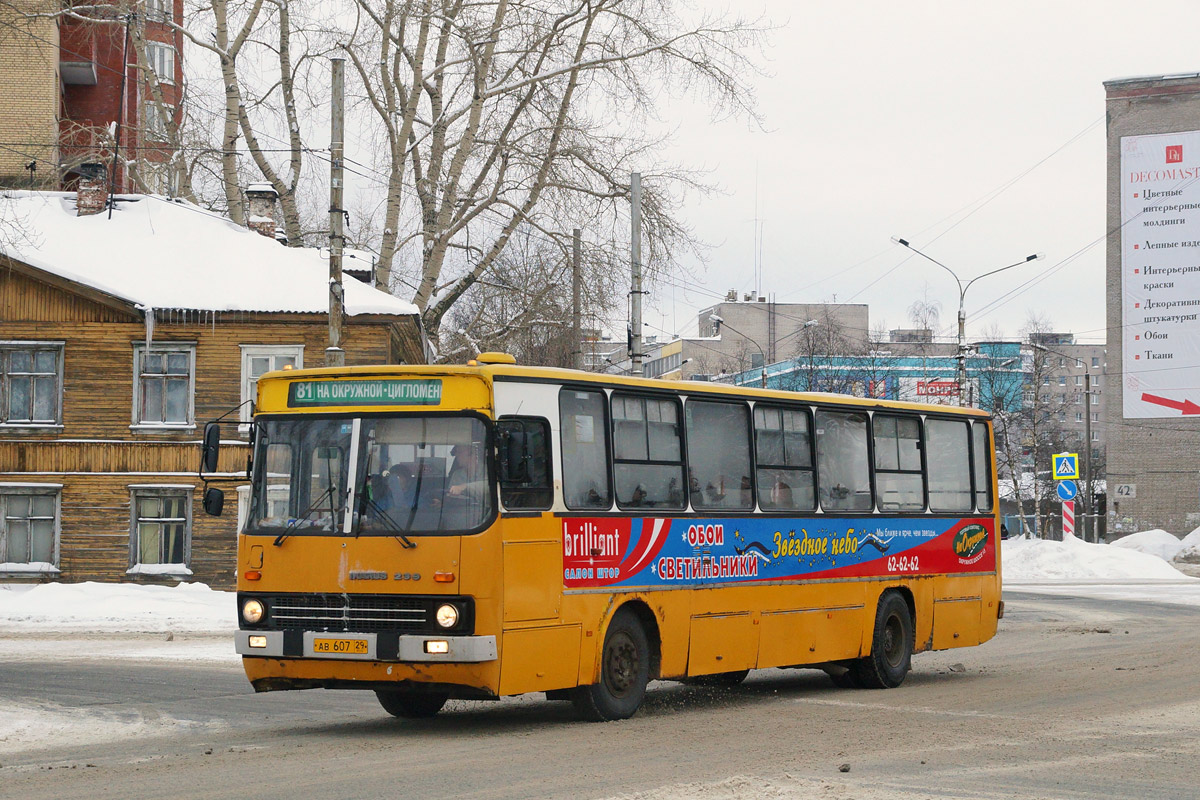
468	476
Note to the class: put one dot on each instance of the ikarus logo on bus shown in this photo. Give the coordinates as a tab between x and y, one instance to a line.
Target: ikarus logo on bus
969	543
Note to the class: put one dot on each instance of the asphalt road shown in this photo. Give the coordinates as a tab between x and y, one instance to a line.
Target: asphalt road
1073	699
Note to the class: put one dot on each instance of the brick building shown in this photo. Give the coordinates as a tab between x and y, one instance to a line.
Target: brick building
119	338
1153	353
63	91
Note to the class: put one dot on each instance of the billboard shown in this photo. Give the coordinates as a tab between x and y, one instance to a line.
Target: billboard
1160	274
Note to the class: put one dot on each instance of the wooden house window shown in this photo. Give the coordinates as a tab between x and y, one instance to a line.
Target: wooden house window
161	540
164	393
259	359
29	525
30	383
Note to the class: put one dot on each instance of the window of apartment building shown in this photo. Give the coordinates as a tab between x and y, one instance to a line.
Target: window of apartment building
259	359
1077	398
1045	380
1095	416
154	119
158	10
1095	436
1097	381
1095	398
30	383
1079	416
1079	380
164	384
1095	361
162	60
161	535
29	525
1062	380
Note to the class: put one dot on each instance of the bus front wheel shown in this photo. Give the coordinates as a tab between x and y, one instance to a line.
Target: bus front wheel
411	705
891	645
624	672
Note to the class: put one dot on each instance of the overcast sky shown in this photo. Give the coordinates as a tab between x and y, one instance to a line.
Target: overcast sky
974	130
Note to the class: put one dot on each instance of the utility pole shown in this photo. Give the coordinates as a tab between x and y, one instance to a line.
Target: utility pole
635	244
576	307
335	356
1089	526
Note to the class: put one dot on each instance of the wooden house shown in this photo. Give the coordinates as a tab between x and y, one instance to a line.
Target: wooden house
119	338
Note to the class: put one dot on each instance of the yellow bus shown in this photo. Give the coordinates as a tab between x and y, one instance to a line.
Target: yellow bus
478	531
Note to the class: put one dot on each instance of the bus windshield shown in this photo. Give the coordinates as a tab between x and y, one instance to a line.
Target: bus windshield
411	474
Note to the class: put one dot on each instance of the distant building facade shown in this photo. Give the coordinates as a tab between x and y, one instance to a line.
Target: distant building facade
1153	295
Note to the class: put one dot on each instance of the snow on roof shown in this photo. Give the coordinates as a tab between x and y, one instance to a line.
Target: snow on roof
169	254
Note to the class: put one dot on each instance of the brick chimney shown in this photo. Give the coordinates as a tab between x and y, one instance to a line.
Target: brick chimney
92	194
261	198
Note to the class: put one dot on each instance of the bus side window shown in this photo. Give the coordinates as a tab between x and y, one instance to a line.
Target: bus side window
899	481
525	463
583	436
982	461
783	450
843	467
950	468
647	452
718	437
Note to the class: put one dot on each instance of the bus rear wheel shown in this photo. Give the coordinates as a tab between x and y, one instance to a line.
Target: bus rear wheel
411	705
891	645
624	673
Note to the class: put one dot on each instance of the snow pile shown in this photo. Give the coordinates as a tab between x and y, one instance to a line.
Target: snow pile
1155	542
1189	548
1040	561
120	607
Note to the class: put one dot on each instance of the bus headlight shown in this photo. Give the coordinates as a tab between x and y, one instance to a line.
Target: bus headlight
447	616
253	611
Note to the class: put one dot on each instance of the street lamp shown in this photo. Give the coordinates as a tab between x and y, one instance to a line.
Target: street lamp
719	322
962	293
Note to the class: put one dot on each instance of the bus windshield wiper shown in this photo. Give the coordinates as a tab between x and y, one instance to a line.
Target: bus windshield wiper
304	517
366	503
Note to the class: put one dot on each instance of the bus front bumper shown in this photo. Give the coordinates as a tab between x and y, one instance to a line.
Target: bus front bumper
365	646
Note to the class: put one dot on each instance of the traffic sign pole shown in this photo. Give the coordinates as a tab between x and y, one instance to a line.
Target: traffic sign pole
1068	525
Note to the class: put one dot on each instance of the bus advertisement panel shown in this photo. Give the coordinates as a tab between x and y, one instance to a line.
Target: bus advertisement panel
654	552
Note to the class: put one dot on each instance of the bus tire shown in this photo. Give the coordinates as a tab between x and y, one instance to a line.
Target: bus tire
624	673
891	645
411	705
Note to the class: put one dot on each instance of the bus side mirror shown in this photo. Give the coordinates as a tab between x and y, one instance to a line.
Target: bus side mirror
211	448
214	501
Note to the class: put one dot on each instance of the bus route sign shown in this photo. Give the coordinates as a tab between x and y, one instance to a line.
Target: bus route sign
372	392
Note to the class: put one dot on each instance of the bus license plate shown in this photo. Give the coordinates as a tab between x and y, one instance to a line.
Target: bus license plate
354	647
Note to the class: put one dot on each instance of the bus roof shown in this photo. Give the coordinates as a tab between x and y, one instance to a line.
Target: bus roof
515	372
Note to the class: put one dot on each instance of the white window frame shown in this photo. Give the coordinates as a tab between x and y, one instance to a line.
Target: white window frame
249	384
139	348
35	567
161	56
142	491
6	347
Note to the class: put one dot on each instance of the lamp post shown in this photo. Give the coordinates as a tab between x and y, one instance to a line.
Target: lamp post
962	294
719	322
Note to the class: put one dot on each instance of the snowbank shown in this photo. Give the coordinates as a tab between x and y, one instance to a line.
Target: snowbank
1155	542
102	607
1189	548
1039	561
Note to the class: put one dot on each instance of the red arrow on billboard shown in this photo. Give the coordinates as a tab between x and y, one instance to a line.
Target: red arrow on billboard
1186	406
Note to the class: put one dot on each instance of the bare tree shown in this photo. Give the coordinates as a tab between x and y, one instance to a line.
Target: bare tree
494	116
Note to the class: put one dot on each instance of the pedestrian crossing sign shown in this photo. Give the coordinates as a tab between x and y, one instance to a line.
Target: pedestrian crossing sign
1066	465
